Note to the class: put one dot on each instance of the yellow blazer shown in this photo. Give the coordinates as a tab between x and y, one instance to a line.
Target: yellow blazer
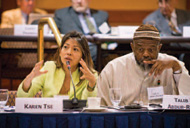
51	83
14	16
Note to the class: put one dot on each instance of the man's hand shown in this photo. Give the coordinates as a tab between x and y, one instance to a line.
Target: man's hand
160	65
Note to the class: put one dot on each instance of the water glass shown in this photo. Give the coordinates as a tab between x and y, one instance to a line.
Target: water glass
3	98
115	96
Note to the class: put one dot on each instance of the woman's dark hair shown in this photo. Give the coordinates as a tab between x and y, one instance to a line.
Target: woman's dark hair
83	43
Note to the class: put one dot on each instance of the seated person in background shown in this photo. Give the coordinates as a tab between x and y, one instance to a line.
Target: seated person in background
170	21
144	67
81	18
19	15
54	77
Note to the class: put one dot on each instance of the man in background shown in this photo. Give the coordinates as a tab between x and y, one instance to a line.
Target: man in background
144	68
11	17
170	22
81	18
19	15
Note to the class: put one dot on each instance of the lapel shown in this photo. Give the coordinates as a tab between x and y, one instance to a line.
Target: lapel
18	16
59	78
163	26
75	18
180	19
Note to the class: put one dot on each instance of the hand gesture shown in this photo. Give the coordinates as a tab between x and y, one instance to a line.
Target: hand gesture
87	74
36	70
160	65
34	73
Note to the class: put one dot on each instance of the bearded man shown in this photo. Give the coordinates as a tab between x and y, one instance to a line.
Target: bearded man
143	68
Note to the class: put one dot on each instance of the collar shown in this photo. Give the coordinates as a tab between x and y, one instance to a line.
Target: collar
173	14
76	76
23	14
87	12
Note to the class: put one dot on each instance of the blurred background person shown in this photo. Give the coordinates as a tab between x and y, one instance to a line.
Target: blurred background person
170	22
11	17
82	18
54	78
168	19
19	15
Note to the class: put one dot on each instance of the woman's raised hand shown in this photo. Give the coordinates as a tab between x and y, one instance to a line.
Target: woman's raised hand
34	73
87	74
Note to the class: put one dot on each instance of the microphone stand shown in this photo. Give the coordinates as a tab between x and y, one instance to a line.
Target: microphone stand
74	100
74	103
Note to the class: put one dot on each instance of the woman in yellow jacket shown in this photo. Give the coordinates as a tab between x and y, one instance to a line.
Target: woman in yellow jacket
54	77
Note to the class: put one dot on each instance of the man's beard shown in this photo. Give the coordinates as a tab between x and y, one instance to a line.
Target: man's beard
144	66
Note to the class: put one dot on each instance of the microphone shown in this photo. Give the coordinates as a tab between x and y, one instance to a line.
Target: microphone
74	103
74	100
68	65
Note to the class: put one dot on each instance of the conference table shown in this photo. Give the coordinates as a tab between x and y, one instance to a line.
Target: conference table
98	39
105	119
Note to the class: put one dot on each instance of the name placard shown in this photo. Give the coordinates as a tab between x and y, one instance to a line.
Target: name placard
155	92
186	31
39	105
104	28
29	30
127	30
176	102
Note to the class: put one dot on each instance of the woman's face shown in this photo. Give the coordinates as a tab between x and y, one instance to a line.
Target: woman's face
71	52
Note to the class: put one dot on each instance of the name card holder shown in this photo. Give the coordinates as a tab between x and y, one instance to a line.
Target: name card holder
186	31
39	105
127	31
29	30
176	102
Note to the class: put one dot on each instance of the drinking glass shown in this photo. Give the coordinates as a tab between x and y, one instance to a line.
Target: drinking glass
115	96
3	98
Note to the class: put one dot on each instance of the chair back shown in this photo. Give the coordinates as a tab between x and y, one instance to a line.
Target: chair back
13	95
11	99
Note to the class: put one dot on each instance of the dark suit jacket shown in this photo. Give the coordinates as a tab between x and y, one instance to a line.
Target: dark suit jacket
67	19
161	23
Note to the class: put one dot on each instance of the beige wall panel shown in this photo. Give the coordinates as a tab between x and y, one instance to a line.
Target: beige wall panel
125	4
52	4
108	4
181	4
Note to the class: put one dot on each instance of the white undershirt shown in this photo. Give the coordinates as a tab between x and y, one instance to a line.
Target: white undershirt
174	18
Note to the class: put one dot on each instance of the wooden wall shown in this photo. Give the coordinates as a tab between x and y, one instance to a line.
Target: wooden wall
109	4
127	17
188	5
